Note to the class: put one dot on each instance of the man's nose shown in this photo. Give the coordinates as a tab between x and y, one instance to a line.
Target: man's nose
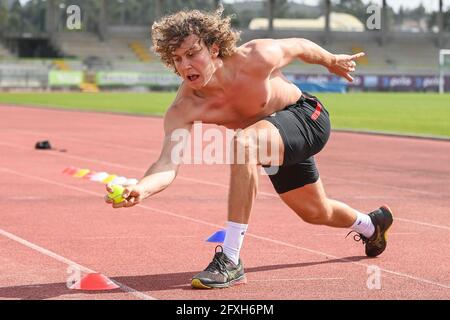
185	64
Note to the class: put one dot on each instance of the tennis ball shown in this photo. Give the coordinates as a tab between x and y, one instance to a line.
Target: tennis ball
116	195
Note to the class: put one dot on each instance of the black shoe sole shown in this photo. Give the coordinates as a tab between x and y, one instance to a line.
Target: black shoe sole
198	284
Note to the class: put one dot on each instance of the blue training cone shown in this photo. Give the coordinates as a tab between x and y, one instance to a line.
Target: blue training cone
218	236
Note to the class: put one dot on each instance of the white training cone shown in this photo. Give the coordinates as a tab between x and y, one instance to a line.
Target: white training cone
99	176
130	182
119	180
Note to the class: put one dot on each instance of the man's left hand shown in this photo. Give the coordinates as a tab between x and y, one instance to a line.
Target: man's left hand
344	64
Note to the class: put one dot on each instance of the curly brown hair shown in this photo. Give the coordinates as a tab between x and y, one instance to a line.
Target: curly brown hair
169	32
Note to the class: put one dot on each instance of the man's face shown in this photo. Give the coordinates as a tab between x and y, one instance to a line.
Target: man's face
194	62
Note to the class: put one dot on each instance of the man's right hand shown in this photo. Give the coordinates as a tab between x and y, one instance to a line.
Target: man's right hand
131	194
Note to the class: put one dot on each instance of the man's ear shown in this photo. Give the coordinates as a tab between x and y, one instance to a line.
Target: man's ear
214	50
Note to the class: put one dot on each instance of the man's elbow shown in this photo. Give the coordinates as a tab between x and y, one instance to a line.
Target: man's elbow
169	166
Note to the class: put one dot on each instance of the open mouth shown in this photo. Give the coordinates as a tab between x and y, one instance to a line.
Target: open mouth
193	77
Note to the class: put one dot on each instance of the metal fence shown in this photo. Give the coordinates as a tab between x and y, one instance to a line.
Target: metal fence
23	78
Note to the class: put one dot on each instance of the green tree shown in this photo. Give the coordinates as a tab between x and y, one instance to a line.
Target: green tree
3	17
177	5
433	20
241	20
281	9
14	23
418	12
400	17
353	7
33	16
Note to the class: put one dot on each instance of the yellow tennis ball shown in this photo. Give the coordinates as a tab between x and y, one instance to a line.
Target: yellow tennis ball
116	195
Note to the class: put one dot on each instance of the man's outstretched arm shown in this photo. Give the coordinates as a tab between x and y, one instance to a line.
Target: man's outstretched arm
162	172
281	52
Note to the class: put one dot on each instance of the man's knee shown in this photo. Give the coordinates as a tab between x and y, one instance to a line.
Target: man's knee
245	147
257	145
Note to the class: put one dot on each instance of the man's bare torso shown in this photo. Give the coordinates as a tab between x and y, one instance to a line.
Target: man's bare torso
253	92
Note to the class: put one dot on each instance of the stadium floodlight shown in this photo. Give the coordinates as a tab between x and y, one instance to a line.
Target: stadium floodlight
444	63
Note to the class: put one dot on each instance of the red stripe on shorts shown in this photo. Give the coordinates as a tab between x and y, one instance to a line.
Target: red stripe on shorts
316	113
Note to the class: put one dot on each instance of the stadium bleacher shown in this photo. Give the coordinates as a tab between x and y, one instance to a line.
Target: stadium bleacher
84	44
393	57
125	43
127	50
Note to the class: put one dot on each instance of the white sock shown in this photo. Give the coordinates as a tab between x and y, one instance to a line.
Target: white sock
363	225
233	240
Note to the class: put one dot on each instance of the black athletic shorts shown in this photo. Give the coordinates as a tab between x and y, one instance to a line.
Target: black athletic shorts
305	128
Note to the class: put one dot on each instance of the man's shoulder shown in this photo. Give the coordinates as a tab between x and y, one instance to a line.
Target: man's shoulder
177	116
184	97
257	46
258	52
182	107
257	43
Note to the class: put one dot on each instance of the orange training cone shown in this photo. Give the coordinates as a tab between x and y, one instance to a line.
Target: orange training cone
70	170
94	281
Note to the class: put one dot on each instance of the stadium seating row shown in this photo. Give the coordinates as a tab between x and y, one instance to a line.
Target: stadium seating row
128	49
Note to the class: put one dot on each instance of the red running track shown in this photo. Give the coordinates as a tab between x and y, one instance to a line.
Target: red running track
50	221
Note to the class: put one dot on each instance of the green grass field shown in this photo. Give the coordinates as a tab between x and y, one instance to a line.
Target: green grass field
405	113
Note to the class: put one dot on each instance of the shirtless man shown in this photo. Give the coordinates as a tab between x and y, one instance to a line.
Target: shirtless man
243	88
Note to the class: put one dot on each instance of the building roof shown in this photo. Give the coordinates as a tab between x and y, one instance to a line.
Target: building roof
338	22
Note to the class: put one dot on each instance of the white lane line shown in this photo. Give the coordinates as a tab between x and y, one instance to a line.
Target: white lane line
400	274
295	279
383	197
84	141
278	242
268	194
26	198
46	252
135	237
71	263
328	178
422	223
382	185
343	234
379	168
